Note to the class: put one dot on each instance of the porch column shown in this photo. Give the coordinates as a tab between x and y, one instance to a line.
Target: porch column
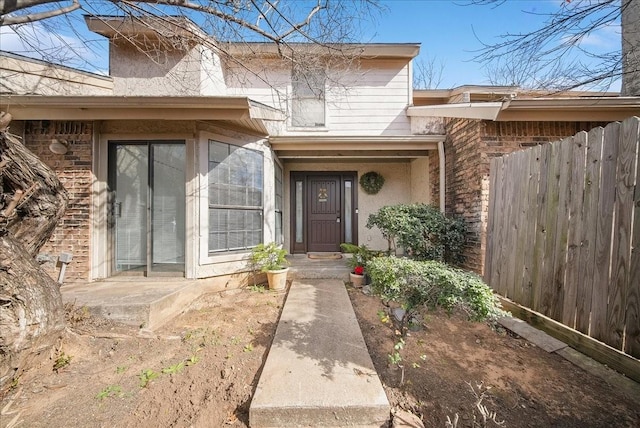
442	175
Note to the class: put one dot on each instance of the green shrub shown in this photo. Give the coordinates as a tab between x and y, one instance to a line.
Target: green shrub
268	257
413	283
360	254
422	231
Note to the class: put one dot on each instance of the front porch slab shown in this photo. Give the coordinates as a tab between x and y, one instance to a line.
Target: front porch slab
140	302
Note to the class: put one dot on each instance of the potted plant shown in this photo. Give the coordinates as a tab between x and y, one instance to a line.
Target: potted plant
271	259
357	276
356	262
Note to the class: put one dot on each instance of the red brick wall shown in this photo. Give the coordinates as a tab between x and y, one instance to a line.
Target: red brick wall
72	235
469	148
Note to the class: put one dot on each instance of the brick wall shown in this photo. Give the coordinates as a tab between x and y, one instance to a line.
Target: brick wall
72	235
469	148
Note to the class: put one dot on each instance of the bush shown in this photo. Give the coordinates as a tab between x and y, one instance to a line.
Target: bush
360	254
413	284
268	257
422	231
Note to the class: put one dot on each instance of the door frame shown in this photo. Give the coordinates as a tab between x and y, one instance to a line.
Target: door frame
304	176
111	230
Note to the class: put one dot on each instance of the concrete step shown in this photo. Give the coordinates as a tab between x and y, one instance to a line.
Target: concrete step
319	272
304	267
318	372
145	304
142	302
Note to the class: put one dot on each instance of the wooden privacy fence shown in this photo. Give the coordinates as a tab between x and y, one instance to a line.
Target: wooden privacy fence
563	233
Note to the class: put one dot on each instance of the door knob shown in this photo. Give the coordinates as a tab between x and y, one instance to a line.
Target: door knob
338	220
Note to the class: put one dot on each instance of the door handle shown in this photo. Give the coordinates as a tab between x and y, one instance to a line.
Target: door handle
338	220
117	209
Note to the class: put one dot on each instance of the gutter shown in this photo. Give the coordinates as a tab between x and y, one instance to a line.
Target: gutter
536	109
99	107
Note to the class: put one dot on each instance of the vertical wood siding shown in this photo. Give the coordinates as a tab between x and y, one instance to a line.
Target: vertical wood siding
563	233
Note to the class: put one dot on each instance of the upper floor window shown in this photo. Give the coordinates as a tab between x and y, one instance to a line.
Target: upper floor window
308	97
235	197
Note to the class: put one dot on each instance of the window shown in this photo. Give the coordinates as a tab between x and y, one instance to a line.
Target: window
299	213
235	197
278	193
307	106
348	212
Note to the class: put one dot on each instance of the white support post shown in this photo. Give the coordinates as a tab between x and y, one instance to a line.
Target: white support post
442	175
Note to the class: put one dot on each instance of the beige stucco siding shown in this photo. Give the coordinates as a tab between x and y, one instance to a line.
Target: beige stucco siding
156	72
396	190
420	188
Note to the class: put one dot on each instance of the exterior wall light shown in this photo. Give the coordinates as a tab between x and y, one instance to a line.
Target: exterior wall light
59	147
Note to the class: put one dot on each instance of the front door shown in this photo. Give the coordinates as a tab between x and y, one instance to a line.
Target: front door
324	212
147	183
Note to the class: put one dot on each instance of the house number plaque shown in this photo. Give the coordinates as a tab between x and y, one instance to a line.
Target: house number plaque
322	195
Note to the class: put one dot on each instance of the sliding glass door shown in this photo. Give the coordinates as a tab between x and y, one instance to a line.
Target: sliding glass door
147	182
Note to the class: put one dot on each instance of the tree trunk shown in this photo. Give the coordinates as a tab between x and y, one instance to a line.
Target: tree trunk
630	48
32	200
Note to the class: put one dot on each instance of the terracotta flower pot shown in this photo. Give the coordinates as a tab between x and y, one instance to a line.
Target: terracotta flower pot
277	279
356	280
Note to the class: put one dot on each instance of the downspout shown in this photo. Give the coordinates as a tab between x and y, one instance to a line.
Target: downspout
442	175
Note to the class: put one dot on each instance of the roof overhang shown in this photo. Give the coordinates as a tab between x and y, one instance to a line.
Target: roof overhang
570	109
143	26
537	109
356	50
241	111
355	147
490	93
488	111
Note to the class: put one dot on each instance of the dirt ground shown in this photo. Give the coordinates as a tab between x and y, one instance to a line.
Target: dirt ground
201	370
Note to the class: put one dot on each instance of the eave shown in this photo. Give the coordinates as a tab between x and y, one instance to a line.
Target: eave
355	50
137	27
488	111
570	109
537	109
355	147
238	110
490	93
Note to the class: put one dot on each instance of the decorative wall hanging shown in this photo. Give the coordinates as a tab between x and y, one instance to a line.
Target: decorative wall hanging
371	182
322	195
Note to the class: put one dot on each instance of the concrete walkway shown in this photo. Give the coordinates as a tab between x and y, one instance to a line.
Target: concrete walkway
318	372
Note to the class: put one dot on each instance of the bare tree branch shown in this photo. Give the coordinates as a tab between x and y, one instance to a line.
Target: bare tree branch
427	74
8	6
211	11
548	56
23	19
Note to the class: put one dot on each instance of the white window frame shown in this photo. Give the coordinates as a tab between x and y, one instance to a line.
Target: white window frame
228	206
311	96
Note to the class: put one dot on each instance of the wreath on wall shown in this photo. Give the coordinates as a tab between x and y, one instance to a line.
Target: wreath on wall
371	182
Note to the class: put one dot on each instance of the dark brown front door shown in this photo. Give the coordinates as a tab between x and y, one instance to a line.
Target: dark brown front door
324	222
324	210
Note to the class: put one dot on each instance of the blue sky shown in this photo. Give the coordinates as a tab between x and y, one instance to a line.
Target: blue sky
448	32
